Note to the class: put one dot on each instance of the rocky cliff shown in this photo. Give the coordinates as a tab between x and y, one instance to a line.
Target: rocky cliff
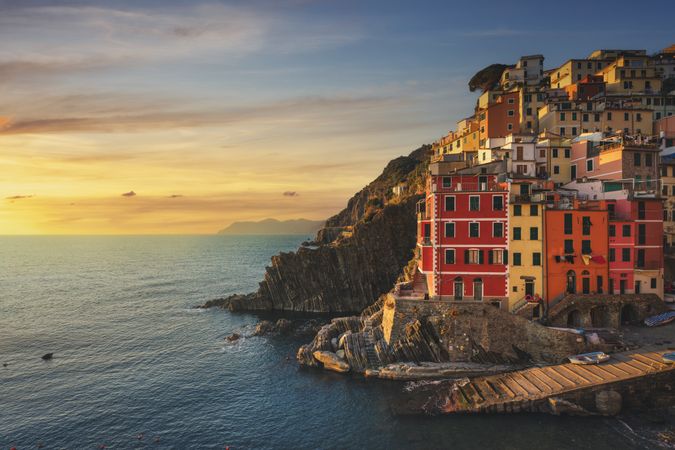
357	256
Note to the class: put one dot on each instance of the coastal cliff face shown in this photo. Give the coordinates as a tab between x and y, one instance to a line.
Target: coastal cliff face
357	256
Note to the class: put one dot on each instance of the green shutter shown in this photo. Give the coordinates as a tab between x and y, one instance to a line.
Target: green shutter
506	257
466	257
480	256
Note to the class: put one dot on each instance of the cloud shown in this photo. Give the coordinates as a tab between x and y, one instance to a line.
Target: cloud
122	114
290	194
175	196
129	194
18	197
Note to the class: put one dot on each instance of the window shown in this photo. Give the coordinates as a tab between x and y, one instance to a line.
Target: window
517	210
568	223
555	152
598	281
569	246
556	170
516	233
534	210
612	230
573	171
497	203
562	116
609	115
474	203
510	112
574	116
584	117
509	127
636	159
447	182
586	226
586	285
449	229
574	131
510	101
516	259
542	153
586	247
536	259
589	165
498	229
641	210
562	131
642	234
449	256
652	283
528	111
534	233
473	257
625	254
496	257
612	254
450	203
596	117
648	159
640	262
473	229
625	116
625	230
567	153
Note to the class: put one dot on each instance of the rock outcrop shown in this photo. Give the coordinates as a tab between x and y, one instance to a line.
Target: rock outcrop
357	256
457	338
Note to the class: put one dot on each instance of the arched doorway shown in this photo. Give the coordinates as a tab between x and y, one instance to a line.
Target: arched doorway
586	282
600	317
628	314
459	288
478	289
574	319
571	282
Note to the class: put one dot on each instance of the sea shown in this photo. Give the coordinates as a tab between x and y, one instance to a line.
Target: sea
136	366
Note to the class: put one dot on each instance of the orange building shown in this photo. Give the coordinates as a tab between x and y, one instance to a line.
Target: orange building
577	247
501	118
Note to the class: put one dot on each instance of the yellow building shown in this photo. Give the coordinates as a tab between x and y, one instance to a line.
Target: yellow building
526	242
569	118
575	70
558	156
631	74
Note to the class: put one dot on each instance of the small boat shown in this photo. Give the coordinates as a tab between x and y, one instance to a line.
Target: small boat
660	319
589	358
668	358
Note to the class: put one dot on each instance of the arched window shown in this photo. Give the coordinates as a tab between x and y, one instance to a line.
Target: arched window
478	289
459	288
571	282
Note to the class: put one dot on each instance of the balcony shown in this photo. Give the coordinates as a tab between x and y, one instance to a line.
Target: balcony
470	187
528	198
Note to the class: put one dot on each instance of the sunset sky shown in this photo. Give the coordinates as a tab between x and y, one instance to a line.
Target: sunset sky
126	117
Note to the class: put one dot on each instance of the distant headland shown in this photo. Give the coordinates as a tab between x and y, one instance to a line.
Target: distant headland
274	226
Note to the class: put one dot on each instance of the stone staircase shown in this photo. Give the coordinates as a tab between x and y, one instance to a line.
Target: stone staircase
371	354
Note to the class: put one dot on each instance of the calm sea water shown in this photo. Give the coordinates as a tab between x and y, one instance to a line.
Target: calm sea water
132	357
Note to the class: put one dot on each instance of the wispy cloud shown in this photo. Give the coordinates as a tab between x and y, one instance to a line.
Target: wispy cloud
290	194
18	197
129	194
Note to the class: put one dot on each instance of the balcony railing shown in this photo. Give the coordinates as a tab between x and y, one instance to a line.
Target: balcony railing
527	198
470	187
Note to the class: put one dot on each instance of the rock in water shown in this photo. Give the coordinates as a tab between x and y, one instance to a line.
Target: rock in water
283	325
47	356
331	361
233	337
263	327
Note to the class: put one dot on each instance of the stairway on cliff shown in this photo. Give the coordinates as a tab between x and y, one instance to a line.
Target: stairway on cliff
371	354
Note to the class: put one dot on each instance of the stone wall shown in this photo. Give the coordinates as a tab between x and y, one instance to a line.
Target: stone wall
604	311
468	331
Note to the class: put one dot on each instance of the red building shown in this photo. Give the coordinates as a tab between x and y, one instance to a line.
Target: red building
463	234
